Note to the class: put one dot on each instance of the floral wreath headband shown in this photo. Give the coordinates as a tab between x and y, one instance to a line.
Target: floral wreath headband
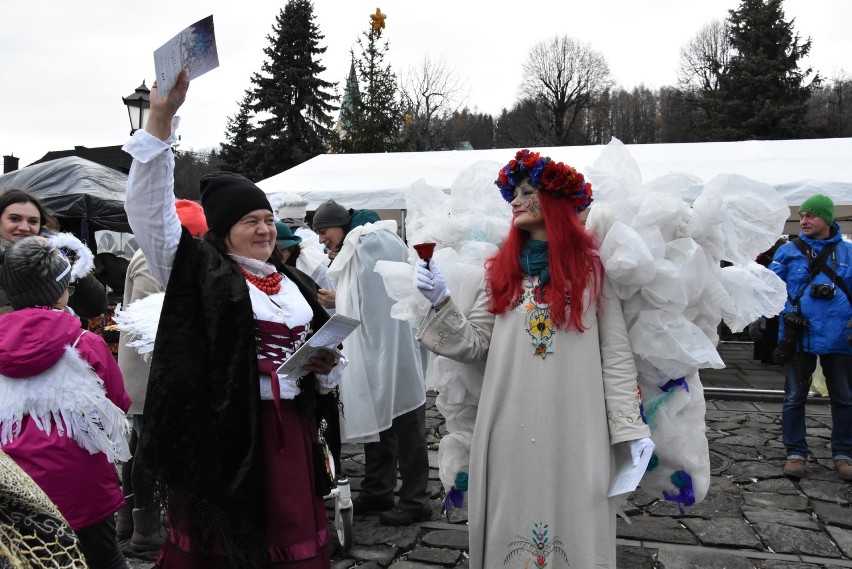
559	179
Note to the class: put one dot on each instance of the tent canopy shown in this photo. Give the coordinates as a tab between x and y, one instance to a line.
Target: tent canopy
76	189
796	168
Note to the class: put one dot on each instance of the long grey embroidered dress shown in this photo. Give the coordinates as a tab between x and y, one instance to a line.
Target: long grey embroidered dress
553	403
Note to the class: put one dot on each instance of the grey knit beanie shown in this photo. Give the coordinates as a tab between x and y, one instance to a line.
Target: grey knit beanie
331	214
34	273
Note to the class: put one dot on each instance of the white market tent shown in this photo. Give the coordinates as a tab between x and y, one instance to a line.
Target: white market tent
796	168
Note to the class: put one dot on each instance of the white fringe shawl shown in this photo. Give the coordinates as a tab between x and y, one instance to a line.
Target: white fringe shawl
139	320
71	397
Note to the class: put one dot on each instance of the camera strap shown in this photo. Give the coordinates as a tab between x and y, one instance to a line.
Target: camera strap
816	263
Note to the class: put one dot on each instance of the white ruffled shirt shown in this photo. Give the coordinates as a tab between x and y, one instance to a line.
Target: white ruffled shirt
149	204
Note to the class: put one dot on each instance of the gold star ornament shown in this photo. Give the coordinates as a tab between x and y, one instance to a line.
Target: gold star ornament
378	22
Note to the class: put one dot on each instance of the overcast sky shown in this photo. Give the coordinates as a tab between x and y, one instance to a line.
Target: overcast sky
66	65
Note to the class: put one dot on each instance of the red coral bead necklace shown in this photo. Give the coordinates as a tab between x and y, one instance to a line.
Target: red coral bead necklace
270	284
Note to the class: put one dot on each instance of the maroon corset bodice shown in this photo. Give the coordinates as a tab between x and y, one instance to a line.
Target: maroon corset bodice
275	343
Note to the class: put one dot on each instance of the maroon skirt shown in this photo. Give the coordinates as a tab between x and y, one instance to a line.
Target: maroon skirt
297	530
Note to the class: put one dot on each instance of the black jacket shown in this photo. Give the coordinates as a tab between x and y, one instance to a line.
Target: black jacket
201	434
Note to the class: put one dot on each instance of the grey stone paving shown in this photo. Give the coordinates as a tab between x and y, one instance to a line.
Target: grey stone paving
753	517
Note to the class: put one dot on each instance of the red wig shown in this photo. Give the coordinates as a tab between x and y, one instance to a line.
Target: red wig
573	263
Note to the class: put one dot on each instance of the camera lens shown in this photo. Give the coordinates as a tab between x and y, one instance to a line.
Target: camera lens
794	329
822	291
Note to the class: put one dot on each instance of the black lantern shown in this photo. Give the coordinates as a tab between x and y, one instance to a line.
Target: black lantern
138	106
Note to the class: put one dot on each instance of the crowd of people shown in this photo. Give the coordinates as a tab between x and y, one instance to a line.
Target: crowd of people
225	459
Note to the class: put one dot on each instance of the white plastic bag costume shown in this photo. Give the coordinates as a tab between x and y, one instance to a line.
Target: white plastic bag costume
467	225
663	259
384	378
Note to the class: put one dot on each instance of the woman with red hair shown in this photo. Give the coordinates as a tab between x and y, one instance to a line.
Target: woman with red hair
560	388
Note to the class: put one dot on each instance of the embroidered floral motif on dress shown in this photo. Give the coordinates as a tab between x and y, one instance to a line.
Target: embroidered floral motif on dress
539	325
536	550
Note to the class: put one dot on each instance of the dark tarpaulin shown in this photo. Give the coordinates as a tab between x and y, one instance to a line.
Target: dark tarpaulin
75	190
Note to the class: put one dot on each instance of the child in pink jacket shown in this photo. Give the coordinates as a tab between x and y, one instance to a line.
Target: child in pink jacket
62	417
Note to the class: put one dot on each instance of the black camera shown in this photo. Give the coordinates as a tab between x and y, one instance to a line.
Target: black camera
822	291
794	328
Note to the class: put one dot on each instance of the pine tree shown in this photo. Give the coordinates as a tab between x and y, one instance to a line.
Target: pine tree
372	118
292	104
761	92
239	153
190	166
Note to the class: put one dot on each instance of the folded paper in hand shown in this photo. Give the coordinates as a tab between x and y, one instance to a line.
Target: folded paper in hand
193	49
327	338
626	476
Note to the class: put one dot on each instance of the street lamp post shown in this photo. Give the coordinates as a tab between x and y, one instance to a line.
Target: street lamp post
138	106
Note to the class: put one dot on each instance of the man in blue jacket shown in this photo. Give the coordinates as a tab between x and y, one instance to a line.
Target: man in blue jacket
817	268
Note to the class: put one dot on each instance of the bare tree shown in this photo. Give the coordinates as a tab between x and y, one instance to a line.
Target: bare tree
704	58
563	76
681	118
841	93
830	107
431	92
521	126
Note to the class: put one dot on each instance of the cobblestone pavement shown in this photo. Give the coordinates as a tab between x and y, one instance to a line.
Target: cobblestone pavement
753	516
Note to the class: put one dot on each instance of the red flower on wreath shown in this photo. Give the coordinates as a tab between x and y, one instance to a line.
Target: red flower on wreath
557	177
530	160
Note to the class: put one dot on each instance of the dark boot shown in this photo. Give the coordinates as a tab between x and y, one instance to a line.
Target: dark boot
148	532
124	521
398	517
369	504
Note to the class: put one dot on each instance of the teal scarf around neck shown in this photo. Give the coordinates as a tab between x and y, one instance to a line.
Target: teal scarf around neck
533	260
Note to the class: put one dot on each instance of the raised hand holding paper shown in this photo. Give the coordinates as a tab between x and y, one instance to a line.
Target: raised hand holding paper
193	49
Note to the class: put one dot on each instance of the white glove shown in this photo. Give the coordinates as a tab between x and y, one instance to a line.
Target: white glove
640	447
431	284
